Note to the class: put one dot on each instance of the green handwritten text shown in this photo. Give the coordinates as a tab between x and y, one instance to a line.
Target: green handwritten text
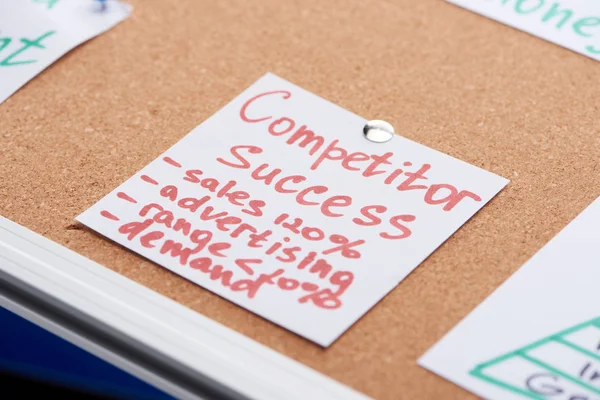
12	59
559	16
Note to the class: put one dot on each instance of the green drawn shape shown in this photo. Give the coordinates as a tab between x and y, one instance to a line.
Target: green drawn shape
577	348
558	372
478	371
49	3
4	42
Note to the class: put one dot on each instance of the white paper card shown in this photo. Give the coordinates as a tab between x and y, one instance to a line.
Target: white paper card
538	335
287	210
574	24
35	33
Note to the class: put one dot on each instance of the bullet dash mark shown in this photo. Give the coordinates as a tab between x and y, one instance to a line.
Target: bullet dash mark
108	215
146	178
125	197
174	163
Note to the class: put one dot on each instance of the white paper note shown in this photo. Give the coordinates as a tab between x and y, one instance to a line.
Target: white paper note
282	206
574	24
538	335
35	33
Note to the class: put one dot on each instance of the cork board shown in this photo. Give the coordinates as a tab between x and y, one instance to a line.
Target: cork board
482	92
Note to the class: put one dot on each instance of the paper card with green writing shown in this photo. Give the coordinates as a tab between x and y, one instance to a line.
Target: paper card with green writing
35	33
280	204
565	364
574	24
538	335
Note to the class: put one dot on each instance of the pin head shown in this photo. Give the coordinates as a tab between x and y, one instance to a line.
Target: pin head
378	131
102	6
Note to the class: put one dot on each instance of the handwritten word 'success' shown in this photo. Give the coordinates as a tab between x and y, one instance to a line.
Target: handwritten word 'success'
368	165
13	52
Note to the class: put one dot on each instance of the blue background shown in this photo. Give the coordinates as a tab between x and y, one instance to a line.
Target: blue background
30	351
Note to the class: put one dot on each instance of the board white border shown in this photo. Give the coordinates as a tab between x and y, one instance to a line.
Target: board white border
201	345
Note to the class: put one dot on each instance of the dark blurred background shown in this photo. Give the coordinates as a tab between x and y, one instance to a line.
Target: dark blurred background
34	361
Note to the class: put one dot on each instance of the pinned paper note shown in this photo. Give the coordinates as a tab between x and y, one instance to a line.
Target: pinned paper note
538	335
566	363
574	24
280	204
35	33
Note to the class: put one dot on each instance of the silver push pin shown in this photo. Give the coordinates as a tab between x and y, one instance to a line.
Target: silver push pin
378	131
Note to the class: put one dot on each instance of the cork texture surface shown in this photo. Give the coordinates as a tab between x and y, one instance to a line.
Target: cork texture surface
480	91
